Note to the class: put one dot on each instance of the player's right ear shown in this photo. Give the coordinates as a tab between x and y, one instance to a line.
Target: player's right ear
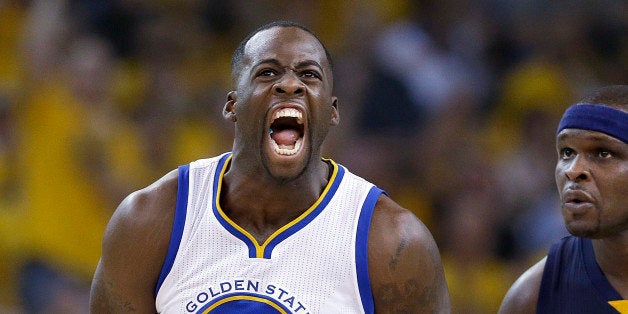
228	112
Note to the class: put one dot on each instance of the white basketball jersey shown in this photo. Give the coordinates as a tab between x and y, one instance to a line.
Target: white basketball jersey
317	263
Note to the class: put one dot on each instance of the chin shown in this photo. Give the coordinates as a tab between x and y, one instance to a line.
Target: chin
286	169
285	175
584	230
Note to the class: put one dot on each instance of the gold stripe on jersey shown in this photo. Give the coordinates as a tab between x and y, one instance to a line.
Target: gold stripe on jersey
620	305
259	249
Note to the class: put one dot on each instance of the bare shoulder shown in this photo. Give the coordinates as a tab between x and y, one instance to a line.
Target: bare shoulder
134	248
405	267
523	294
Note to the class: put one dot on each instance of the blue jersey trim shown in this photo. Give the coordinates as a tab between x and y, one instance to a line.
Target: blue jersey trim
307	219
178	225
361	250
265	249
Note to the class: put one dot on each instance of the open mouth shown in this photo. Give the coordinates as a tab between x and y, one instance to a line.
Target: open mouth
576	197
577	202
573	199
286	131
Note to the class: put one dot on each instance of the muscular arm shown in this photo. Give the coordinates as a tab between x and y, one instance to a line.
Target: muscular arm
522	296
404	263
134	248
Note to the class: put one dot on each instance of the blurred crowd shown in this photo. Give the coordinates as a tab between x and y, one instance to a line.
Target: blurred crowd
449	106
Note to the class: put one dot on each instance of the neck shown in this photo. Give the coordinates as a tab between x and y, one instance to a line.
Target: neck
261	205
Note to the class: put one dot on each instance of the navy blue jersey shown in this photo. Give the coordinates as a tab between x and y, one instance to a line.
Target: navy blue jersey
573	281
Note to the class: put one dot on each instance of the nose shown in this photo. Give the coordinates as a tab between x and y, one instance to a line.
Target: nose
289	85
577	169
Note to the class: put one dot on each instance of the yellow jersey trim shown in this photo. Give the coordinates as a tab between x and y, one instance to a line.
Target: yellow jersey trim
260	248
620	305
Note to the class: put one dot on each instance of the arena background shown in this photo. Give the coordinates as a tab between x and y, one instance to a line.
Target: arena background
450	106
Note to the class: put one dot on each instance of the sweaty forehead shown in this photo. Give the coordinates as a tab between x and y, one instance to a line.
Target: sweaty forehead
285	44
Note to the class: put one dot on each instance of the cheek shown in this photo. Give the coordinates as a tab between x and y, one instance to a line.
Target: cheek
559	177
614	192
620	190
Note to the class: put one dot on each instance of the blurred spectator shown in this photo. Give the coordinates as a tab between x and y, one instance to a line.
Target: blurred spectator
475	276
11	206
78	159
12	15
528	109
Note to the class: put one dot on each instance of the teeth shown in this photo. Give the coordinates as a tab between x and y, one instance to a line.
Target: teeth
287	149
289	112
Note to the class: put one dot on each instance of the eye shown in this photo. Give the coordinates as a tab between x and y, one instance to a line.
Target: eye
310	74
266	72
566	153
604	154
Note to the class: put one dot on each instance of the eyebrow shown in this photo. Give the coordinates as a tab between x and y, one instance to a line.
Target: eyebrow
301	64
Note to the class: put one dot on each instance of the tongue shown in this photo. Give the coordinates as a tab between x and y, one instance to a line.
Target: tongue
285	137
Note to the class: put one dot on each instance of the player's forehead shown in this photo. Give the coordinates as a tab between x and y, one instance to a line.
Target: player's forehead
619	106
575	134
286	44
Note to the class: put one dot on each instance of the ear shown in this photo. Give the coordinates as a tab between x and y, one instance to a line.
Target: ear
228	112
335	116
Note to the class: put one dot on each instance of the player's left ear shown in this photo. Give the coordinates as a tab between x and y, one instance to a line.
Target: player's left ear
228	112
335	116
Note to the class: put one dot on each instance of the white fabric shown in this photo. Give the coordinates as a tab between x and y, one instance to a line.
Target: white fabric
311	271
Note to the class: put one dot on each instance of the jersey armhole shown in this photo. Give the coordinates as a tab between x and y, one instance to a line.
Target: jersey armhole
550	271
361	251
178	224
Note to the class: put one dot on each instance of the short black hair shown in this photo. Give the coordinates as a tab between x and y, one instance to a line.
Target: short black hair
236	59
614	96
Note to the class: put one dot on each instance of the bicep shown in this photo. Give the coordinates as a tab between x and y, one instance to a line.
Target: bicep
133	251
111	295
404	265
523	295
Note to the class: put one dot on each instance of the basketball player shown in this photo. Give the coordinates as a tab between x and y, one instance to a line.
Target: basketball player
271	227
586	272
